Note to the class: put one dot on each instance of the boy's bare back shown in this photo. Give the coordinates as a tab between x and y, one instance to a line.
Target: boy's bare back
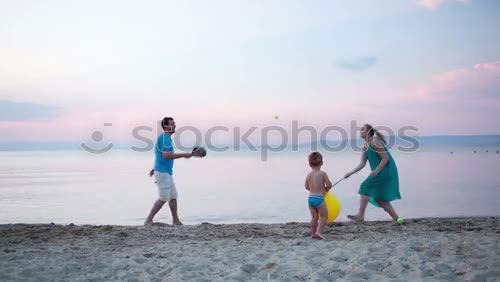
317	182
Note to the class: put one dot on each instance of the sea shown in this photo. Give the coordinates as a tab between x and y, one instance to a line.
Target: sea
75	186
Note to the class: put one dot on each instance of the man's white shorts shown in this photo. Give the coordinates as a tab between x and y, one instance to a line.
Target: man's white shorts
166	186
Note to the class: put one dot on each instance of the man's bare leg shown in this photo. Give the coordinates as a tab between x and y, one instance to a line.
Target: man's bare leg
154	210
173	209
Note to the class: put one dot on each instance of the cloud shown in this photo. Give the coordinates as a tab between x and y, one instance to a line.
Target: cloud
479	82
434	4
17	111
356	64
460	101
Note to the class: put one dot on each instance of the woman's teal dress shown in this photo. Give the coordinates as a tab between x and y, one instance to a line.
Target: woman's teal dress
384	186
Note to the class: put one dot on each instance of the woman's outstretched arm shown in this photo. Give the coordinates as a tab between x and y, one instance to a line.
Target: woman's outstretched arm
359	167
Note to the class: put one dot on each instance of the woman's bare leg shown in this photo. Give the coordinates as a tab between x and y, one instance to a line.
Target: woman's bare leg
363	202
389	209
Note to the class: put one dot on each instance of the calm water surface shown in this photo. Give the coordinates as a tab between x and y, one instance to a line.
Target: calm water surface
113	188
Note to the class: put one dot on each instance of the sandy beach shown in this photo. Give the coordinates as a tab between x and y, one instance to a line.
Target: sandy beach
453	249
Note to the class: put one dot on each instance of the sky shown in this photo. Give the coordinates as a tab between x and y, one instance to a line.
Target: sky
68	67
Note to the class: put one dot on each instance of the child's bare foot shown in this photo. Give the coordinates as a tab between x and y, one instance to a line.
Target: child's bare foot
177	222
355	218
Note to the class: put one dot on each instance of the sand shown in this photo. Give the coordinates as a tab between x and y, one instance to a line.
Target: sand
456	249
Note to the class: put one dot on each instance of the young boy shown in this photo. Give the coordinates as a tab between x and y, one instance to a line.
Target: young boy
317	183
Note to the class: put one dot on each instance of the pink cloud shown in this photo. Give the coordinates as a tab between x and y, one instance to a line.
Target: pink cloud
462	101
479	82
459	101
434	4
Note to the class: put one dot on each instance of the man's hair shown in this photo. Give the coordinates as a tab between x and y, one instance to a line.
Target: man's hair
164	122
315	159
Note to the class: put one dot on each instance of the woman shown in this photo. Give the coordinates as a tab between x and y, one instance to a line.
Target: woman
382	186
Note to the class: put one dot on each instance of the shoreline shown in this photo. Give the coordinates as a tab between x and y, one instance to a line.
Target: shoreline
423	248
336	223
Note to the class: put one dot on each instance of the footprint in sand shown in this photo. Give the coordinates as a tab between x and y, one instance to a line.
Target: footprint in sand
140	260
375	266
359	274
249	268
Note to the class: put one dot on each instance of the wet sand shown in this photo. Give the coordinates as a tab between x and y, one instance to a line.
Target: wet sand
458	249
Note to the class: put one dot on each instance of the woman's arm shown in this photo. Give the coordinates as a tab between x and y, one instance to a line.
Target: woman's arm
379	148
359	167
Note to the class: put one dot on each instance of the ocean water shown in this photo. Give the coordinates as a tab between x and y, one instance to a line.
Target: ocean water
74	186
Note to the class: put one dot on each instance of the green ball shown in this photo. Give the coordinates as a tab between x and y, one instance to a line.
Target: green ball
400	220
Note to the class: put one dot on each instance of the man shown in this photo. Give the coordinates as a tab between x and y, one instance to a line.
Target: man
163	171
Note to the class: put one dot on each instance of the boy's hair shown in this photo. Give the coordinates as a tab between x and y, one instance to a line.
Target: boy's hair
315	159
